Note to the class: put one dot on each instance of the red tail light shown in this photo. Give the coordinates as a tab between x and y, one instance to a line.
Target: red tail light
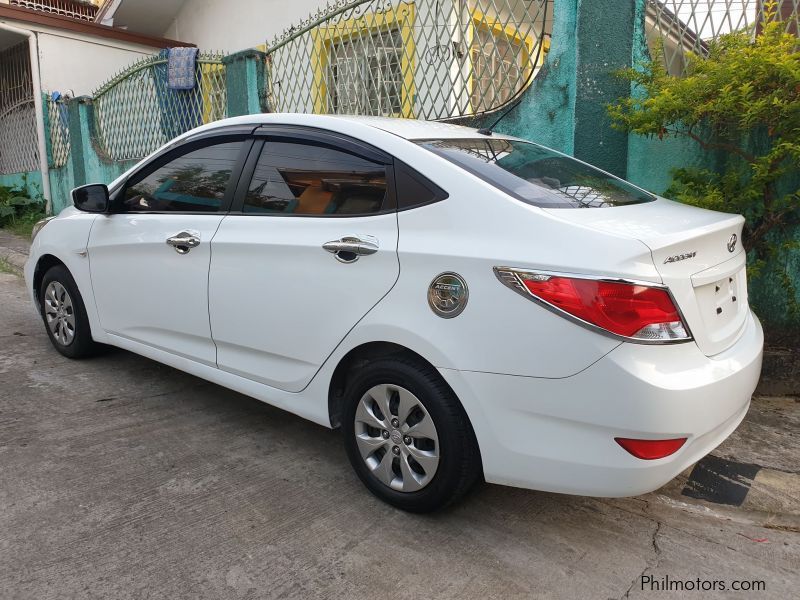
639	312
651	449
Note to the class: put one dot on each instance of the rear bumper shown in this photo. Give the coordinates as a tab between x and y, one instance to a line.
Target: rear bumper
558	434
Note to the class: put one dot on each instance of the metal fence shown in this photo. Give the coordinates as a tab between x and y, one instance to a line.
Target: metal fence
433	59
19	151
58	130
65	8
682	26
135	112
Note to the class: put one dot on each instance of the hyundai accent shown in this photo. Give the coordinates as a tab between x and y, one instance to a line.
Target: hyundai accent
462	304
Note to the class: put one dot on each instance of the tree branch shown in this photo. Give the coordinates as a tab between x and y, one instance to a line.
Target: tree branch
706	145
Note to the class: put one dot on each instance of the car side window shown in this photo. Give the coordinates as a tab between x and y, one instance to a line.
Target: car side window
195	182
303	178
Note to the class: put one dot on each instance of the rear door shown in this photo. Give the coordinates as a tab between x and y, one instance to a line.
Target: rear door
309	248
149	260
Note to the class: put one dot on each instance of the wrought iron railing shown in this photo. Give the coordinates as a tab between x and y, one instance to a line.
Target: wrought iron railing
676	27
66	8
58	130
136	112
19	151
433	59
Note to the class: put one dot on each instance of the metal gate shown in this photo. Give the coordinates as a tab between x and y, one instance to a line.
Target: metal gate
432	59
19	151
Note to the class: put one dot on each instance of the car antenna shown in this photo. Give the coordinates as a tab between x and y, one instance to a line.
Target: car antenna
489	130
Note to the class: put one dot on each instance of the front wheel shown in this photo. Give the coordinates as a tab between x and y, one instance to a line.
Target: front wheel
64	314
407	436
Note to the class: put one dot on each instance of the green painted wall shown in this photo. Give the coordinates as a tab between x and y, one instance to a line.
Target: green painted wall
30	182
84	165
565	106
604	38
546	112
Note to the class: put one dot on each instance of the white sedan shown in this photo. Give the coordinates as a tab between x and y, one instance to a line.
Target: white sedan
463	304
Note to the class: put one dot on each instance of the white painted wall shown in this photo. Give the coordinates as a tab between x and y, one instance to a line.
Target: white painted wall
236	24
77	64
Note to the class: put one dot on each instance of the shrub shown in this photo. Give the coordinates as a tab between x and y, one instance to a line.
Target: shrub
743	99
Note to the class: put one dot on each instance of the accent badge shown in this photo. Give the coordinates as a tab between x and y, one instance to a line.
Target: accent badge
732	242
447	295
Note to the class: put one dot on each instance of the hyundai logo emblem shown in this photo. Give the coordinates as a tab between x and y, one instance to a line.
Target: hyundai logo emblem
732	242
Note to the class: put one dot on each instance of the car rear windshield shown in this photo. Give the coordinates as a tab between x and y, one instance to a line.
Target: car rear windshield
537	175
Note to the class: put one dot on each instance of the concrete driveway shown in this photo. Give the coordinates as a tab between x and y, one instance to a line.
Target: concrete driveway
122	478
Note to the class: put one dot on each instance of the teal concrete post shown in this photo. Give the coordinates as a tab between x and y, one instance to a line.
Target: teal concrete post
604	36
546	111
565	106
47	130
79	137
244	82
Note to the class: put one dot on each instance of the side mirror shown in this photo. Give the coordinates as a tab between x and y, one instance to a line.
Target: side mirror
91	198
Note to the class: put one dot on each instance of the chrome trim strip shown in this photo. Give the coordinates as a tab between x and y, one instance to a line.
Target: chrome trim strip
510	279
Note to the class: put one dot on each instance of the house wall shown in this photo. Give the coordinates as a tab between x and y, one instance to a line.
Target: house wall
236	24
79	64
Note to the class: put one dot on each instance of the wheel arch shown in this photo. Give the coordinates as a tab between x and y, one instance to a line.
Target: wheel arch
44	264
358	357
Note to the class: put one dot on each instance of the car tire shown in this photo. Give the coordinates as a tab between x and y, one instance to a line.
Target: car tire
419	460
64	314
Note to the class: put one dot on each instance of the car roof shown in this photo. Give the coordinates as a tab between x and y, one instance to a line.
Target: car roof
410	129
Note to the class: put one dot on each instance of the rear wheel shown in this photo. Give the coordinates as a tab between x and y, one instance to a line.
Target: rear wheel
407	436
64	314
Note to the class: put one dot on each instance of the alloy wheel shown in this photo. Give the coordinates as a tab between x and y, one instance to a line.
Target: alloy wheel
60	313
396	438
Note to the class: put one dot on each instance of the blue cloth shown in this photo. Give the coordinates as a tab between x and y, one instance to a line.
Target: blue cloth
63	115
181	68
181	110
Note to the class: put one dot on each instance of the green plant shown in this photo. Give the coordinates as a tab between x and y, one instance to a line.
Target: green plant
743	102
19	212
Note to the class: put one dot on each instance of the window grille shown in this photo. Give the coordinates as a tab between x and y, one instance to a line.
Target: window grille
433	59
683	26
19	151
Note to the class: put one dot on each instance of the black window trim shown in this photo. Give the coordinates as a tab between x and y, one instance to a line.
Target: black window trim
171	153
439	193
316	137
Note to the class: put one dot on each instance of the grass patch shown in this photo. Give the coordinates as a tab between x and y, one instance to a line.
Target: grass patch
7	267
23	224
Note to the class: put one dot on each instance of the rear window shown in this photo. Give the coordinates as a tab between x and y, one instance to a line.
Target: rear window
537	175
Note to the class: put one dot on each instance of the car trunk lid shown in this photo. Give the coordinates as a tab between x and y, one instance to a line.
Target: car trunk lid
698	254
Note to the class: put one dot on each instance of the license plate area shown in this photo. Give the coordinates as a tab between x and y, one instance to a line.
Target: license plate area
723	303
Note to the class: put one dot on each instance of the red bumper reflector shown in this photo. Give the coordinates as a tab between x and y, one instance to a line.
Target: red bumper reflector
651	449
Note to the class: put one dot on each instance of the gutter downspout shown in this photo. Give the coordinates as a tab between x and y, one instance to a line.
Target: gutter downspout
33	47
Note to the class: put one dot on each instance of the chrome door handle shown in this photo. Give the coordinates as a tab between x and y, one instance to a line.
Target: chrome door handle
184	241
349	248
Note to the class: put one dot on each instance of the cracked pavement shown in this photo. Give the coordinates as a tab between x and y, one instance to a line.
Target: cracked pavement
123	478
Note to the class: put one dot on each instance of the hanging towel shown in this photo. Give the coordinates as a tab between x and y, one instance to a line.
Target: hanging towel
180	68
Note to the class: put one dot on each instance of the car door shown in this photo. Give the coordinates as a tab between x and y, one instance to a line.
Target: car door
308	249
149	259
